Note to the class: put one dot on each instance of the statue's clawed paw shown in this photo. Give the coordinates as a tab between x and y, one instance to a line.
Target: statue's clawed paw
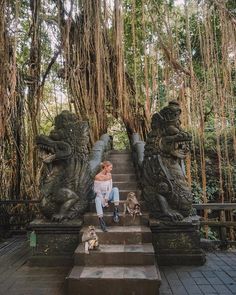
175	216
172	215
58	217
71	215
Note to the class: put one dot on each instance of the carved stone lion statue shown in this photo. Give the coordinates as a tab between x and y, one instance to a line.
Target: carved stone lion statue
165	188
66	182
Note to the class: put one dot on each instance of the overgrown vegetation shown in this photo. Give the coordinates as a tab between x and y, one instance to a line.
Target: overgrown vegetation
121	59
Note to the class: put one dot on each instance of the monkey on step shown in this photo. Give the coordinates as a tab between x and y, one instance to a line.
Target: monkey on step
90	239
132	205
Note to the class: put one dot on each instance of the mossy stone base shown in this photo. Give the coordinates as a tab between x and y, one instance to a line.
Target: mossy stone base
55	242
177	243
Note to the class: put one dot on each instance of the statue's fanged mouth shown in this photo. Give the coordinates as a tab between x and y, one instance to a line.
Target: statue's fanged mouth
182	147
46	153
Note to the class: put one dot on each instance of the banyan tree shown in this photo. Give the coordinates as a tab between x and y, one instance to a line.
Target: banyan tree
125	59
94	65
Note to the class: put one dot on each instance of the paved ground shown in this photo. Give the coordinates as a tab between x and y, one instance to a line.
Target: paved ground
16	278
217	276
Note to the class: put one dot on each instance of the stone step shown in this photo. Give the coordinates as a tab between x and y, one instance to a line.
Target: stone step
124	185
123	170
123	152
119	157
124	167
124	264
124	177
112	157
115	280
121	207
119	254
125	220
123	235
121	160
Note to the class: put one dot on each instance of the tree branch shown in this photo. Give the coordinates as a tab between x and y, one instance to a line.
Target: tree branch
53	60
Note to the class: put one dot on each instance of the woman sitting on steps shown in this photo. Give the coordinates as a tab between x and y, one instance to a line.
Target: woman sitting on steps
105	192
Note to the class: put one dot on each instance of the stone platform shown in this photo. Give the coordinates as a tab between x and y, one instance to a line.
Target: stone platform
177	243
55	242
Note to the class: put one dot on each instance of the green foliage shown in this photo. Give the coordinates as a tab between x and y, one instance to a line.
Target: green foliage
212	190
211	234
118	132
120	140
212	166
46	127
197	192
133	55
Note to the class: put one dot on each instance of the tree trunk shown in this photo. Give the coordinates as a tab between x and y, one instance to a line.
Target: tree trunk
34	92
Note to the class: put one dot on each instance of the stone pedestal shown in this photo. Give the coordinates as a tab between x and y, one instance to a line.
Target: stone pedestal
177	243
55	242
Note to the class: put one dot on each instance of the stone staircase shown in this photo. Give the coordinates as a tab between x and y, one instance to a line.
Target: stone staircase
125	263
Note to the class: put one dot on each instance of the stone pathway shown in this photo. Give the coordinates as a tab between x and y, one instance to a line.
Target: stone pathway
17	278
216	276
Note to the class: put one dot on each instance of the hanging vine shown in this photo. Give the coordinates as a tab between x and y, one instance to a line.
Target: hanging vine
95	70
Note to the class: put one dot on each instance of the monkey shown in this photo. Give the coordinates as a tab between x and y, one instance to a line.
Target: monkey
90	239
132	206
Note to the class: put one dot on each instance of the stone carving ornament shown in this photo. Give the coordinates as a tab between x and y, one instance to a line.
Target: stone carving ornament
165	188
